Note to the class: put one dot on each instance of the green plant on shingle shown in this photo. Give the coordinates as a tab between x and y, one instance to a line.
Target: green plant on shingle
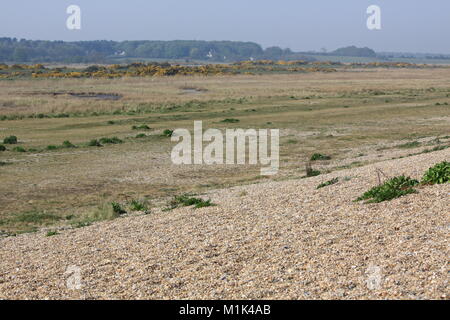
52	147
319	156
94	143
68	144
10	140
187	201
113	140
230	120
167	133
19	149
310	172
328	183
141	127
438	174
2	147
391	189
140	135
117	208
136	205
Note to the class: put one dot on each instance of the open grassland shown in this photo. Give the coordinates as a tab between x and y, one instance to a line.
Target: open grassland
356	117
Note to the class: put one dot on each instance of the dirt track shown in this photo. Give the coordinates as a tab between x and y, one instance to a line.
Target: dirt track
278	240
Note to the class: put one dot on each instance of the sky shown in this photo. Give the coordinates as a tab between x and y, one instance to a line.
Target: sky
302	25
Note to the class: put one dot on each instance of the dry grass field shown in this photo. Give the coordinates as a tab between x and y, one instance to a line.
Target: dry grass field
357	117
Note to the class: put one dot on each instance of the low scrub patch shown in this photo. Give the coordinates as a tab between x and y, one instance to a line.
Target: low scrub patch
68	144
137	205
2	147
94	143
319	156
113	140
438	174
328	183
117	208
409	145
167	133
230	120
10	140
391	189
19	149
187	201
141	127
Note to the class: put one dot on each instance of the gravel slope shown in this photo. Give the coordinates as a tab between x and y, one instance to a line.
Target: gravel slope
277	240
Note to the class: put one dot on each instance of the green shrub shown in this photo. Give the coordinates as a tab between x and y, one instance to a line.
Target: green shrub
187	201
68	144
438	174
391	189
2	147
10	140
141	127
94	143
230	120
19	149
167	133
409	145
328	183
136	205
141	135
319	156
113	140
52	147
117	208
52	233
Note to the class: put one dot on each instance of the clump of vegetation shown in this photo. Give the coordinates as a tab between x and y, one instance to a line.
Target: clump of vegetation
187	201
106	211
2	163
141	135
328	183
36	217
10	140
310	172
117	208
438	174
230	120
319	156
391	189
113	140
167	133
52	233
94	143
136	205
19	149
68	144
52	147
2	147
409	145
141	127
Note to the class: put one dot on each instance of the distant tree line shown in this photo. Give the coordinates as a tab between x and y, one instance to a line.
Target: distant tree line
36	51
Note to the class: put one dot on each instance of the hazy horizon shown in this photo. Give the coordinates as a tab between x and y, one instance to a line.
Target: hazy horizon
407	26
